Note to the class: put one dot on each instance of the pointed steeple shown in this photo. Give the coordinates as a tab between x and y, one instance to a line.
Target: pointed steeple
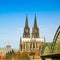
26	33
20	40
35	22
26	23
35	29
20	46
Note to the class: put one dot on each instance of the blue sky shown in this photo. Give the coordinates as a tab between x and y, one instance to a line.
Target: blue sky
13	15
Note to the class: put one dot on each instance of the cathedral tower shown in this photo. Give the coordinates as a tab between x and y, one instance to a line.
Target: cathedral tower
26	33
35	30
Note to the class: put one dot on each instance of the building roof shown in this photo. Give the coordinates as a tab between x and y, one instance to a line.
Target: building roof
33	39
6	50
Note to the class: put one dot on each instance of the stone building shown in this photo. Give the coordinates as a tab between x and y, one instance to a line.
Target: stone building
31	42
6	49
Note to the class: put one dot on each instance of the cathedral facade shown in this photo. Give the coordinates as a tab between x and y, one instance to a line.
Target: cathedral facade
31	42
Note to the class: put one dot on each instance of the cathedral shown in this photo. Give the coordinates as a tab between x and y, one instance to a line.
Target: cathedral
31	42
33	47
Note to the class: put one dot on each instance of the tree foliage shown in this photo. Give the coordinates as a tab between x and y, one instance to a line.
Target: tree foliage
17	56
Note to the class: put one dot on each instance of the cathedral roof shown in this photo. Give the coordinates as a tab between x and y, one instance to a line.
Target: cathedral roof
33	39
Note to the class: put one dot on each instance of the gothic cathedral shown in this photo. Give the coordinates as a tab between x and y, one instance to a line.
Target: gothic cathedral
31	42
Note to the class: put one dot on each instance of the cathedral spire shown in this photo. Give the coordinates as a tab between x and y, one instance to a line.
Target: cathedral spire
35	22
35	30
26	33
26	23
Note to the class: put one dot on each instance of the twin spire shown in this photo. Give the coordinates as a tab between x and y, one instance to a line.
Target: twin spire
35	30
26	23
35	22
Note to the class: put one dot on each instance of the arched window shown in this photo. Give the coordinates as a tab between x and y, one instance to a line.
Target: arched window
36	45
33	45
30	45
20	46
